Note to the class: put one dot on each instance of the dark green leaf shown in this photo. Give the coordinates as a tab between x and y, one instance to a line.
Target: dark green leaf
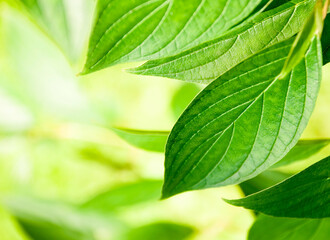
209	60
242	123
305	195
289	229
125	195
160	231
326	40
303	150
135	30
148	140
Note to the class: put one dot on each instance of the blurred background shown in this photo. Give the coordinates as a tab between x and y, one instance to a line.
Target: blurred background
64	172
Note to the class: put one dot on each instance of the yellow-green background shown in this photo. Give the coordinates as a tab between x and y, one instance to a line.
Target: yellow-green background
55	137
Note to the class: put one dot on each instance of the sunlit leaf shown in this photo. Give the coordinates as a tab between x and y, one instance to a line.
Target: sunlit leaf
289	229
135	30
242	123
148	140
125	195
209	60
305	195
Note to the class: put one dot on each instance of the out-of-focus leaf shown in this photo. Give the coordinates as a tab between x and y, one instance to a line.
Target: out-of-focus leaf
247	110
51	16
262	181
135	30
148	140
274	228
52	221
9	229
160	231
303	150
209	60
125	195
305	195
326	40
183	97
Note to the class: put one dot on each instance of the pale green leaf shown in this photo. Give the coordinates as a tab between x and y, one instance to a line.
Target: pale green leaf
209	60
305	195
148	140
243	122
126	195
289	229
135	30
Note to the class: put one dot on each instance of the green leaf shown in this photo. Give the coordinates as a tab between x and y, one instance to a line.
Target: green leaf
209	60
148	140
163	231
326	40
305	195
135	30
289	229
303	150
125	195
262	181
313	26
243	122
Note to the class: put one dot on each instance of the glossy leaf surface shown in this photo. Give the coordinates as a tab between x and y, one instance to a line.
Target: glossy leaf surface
209	60
311	185
242	123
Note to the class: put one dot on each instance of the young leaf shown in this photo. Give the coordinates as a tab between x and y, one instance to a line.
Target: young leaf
289	229
243	122
209	60
305	195
135	30
303	150
147	140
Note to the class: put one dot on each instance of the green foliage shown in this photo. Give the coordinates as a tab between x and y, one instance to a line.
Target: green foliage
262	61
248	101
206	62
135	30
311	185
